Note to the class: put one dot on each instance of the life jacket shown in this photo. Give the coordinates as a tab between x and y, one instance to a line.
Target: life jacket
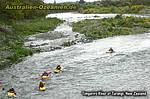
45	74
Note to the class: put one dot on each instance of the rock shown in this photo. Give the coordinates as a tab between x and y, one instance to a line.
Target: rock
5	29
69	43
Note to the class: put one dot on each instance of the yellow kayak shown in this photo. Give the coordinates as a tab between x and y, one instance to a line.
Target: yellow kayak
57	71
45	77
42	89
10	94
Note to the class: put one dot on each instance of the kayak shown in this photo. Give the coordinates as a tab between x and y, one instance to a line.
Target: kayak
110	52
11	94
42	89
45	77
57	71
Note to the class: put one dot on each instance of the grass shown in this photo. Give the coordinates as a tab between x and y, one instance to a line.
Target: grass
18	51
11	42
30	27
107	27
132	9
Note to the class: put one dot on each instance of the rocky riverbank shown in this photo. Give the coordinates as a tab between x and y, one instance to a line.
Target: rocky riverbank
57	39
13	34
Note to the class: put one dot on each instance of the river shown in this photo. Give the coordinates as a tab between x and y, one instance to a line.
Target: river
86	67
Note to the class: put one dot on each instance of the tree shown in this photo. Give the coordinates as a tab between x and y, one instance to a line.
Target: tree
81	1
19	14
54	1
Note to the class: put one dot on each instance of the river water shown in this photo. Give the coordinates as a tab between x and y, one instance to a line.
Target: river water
86	67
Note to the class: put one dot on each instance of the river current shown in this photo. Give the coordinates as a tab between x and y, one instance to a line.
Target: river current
86	67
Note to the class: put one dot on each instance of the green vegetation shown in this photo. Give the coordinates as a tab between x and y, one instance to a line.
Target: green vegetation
12	36
20	14
118	6
29	27
134	9
30	9
18	23
106	27
15	25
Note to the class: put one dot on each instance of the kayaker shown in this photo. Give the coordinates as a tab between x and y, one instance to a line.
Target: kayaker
58	67
45	75
110	50
11	92
41	86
